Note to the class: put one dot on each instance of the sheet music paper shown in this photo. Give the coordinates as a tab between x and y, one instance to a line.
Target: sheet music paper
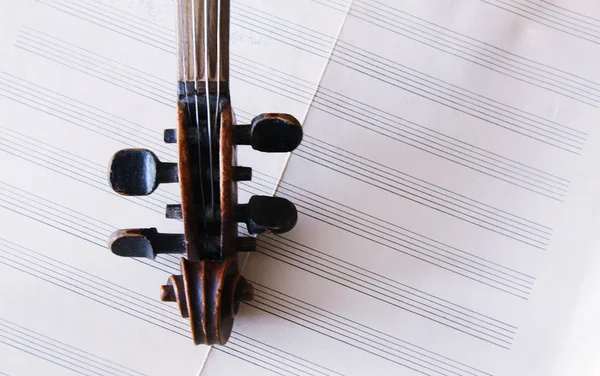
446	185
80	80
448	191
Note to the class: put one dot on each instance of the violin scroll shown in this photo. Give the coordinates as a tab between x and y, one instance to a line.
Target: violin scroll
210	287
209	293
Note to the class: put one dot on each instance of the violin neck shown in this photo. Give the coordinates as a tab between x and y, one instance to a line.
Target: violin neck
203	43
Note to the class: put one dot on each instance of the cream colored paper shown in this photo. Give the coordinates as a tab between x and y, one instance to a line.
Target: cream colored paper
447	188
448	191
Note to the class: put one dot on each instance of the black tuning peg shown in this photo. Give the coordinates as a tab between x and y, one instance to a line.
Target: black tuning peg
264	213
170	136
242	173
271	133
145	243
174	211
138	172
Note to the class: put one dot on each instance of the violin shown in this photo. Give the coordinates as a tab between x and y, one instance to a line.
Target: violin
210	288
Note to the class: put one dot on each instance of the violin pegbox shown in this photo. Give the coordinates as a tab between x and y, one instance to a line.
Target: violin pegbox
210	287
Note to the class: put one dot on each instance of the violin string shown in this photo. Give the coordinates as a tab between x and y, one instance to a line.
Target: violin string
207	68
198	134
217	107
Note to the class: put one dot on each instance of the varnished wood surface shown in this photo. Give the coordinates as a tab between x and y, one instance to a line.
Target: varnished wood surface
227	185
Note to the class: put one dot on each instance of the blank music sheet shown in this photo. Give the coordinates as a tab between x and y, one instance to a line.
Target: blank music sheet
447	188
448	195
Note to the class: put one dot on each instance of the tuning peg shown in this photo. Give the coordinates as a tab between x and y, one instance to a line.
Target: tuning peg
264	213
170	136
138	172
145	243
174	212
242	173
271	133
